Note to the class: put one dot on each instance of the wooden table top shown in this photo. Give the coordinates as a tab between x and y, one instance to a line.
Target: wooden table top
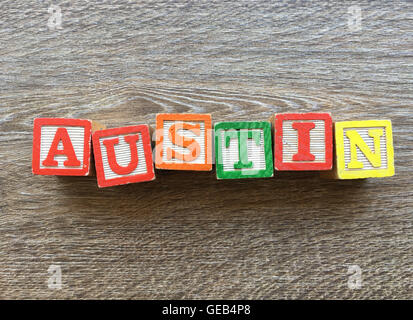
187	235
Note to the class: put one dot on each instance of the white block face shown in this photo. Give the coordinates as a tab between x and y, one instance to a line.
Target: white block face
317	141
77	136
123	156
256	154
167	143
364	134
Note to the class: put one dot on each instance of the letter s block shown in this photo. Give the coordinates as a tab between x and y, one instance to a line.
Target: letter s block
243	150
123	156
61	146
303	141
364	149
183	142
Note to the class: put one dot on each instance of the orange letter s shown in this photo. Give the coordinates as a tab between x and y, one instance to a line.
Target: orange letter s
181	141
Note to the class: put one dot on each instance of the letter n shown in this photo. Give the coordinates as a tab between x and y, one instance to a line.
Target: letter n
363	149
356	141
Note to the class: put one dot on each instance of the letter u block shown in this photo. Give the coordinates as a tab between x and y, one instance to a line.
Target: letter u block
243	150
61	146
303	141
123	156
183	142
364	149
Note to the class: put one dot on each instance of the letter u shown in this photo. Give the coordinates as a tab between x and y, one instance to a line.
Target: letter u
113	163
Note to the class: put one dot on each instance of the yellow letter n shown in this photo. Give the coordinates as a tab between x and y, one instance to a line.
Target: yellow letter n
357	141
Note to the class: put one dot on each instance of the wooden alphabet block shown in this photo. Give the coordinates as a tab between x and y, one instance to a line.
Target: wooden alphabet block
243	150
123	155
303	141
364	149
61	146
183	142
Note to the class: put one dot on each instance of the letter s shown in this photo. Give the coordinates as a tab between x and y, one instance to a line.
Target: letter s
182	141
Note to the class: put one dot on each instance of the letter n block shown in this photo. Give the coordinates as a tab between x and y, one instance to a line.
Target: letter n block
61	146
364	149
303	141
183	142
123	156
243	150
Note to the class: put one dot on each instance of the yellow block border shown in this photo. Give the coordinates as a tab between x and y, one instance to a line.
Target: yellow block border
341	171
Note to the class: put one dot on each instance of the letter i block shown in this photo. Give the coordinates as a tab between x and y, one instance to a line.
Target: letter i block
183	142
243	150
364	149
61	147
303	141
123	156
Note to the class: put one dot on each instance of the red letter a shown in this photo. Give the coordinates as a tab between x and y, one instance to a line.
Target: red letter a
303	132
63	136
110	148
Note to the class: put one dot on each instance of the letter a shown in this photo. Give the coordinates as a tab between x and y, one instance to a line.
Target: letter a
110	148
357	141
61	136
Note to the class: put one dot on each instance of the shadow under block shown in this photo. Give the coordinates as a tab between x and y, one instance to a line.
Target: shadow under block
62	146
303	141
183	142
123	156
363	149
243	150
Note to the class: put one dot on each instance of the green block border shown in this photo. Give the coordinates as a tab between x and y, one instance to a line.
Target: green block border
269	162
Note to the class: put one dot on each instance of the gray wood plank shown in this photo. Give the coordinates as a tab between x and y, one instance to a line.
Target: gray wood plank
187	235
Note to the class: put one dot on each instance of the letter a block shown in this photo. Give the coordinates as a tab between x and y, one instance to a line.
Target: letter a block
364	149
183	142
243	150
123	156
61	146
303	141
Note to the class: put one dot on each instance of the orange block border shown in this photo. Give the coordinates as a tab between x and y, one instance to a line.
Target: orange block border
206	118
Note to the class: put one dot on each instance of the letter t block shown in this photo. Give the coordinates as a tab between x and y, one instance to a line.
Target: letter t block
364	149
243	150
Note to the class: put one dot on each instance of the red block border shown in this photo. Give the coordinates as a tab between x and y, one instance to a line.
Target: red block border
144	130
39	123
302	166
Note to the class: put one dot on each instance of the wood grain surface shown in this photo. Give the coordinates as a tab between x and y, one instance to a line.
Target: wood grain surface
187	235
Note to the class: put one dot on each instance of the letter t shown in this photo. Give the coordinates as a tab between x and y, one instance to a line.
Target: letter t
242	136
